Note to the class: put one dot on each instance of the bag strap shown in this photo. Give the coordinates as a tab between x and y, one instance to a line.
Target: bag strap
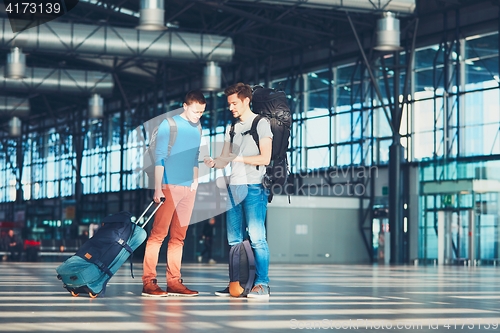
231	135
234	266
253	130
173	134
251	266
254	133
102	266
129	249
231	139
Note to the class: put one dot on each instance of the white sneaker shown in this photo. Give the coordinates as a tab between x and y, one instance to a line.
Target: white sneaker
259	291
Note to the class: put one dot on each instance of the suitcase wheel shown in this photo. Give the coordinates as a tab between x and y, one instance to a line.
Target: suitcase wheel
92	295
73	293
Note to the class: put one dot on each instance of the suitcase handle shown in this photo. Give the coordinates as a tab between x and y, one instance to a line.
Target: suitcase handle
162	201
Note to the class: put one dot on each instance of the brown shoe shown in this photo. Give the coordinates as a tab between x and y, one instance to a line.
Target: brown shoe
178	289
152	289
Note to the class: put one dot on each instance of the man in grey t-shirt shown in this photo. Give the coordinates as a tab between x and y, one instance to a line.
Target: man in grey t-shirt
250	197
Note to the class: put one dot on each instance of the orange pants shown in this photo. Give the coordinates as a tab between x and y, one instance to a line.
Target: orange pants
173	215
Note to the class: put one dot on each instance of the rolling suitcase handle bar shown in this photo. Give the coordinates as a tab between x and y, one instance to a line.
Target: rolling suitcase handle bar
162	201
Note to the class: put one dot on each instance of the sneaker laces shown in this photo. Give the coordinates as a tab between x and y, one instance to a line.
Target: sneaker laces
179	285
154	284
258	288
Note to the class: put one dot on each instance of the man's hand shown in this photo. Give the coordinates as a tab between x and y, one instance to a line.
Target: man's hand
209	162
158	195
194	186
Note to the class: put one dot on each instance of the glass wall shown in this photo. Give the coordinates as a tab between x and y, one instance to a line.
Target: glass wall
456	109
465	123
338	120
8	170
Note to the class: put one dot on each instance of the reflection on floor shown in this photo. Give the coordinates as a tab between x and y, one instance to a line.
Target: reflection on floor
305	297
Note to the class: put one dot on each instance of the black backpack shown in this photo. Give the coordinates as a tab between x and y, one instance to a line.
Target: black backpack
241	269
272	104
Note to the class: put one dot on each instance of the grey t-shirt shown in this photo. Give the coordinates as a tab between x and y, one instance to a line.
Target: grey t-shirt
244	145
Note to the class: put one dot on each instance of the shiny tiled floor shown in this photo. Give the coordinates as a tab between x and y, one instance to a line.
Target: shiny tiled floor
303	297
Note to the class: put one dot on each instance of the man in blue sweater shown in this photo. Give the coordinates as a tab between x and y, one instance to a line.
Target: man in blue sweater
176	179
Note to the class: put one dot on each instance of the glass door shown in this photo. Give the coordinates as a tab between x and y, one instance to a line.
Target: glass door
460	229
453	236
445	229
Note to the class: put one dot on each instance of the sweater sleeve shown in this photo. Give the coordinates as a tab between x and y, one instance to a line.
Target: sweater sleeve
196	159
162	139
197	155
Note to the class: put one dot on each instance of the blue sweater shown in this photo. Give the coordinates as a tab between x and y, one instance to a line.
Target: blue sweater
184	154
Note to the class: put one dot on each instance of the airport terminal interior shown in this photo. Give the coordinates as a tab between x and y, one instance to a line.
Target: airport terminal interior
389	219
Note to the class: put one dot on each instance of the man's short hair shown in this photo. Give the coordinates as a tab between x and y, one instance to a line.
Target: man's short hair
241	89
195	96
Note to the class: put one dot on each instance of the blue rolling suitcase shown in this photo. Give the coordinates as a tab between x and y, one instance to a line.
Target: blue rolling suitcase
99	258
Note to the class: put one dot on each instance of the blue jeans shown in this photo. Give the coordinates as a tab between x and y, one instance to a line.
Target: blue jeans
249	210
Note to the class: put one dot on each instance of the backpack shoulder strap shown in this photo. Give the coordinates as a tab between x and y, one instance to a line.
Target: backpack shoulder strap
253	130
254	133
231	134
173	134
